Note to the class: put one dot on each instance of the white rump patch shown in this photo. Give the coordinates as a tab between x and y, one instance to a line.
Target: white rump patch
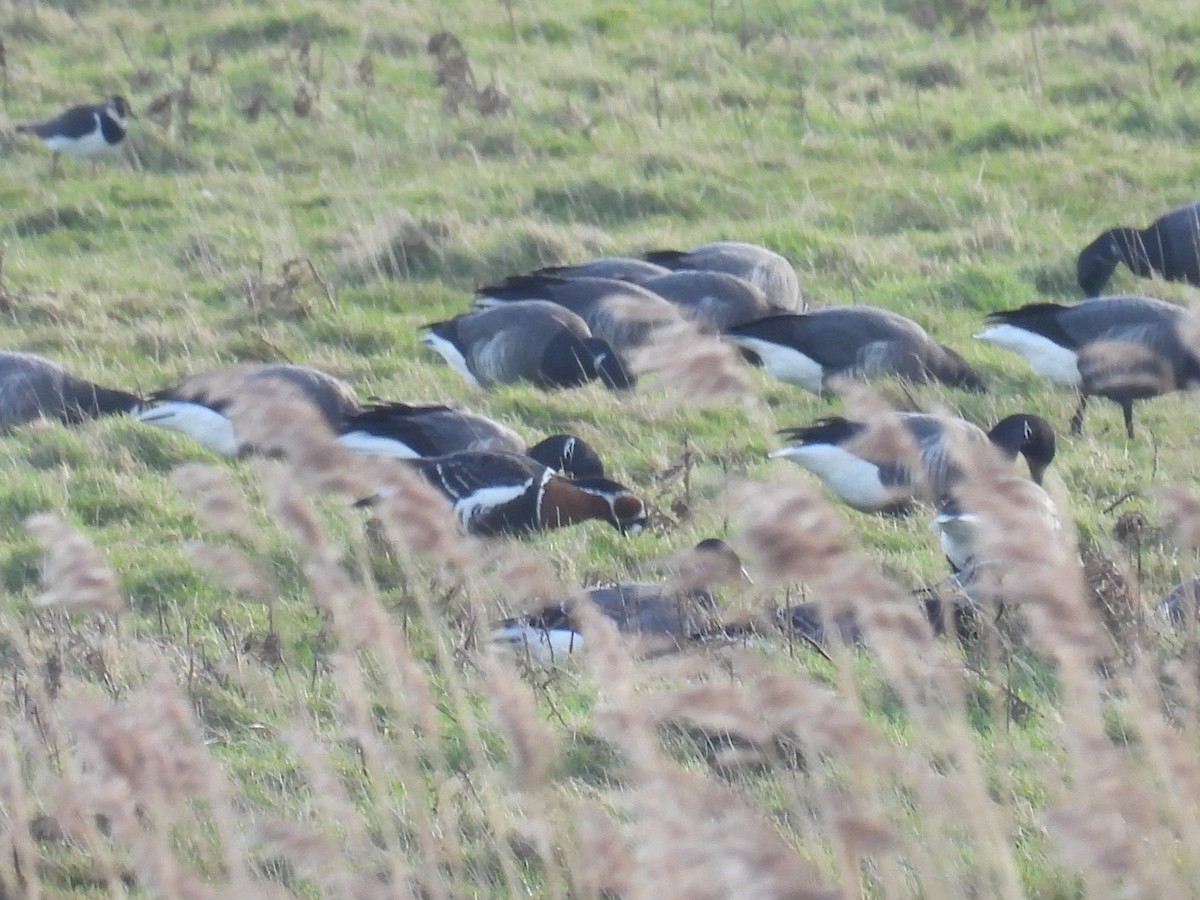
1046	358
209	427
451	354
375	445
785	363
852	478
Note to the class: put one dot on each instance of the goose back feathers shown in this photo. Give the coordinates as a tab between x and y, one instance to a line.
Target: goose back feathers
33	387
1168	248
763	268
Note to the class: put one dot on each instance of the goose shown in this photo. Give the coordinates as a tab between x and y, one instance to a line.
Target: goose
763	268
714	300
531	340
1121	348
958	524
405	431
808	349
619	268
34	387
1168	248
506	493
869	473
678	610
623	314
196	406
1174	604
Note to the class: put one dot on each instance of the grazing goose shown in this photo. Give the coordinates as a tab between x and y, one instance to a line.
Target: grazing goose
619	268
958	525
763	268
196	406
806	350
532	340
87	131
33	387
504	493
623	314
1169	248
404	431
1174	606
1122	348
680	609
870	473
714	300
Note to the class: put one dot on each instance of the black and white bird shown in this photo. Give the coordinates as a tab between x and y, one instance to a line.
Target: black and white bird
406	431
765	269
33	387
531	340
856	341
504	493
197	406
1169	248
871	473
673	611
86	132
1121	348
624	315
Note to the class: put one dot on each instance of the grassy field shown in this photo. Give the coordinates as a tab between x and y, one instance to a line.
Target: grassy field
242	688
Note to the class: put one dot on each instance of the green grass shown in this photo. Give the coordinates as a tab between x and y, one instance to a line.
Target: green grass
895	153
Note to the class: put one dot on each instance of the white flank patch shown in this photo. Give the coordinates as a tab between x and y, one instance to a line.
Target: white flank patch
544	646
852	478
485	499
785	363
375	445
957	536
1046	358
198	422
87	147
451	354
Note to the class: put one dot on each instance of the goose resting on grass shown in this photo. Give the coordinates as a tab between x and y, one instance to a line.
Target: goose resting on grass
678	610
806	350
870	473
713	300
619	268
763	268
1168	248
33	387
1121	348
532	340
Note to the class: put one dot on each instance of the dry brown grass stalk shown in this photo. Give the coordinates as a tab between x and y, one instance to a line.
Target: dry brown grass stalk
74	576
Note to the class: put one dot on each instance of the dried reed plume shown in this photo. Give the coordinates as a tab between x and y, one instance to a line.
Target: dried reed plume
74	576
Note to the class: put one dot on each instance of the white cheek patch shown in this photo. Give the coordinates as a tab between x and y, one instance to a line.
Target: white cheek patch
207	426
1044	356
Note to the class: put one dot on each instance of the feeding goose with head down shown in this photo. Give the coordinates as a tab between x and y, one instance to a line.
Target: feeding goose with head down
197	406
503	493
1121	348
33	387
1169	248
872	470
715	301
406	431
624	315
666	613
767	270
532	340
854	341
